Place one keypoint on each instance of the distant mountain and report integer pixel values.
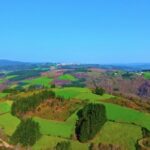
(17, 65)
(4, 62)
(9, 65)
(134, 66)
(14, 65)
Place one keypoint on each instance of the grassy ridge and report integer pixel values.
(80, 93)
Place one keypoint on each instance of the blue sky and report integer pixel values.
(82, 31)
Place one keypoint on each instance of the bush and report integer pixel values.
(27, 133)
(99, 91)
(145, 132)
(90, 120)
(63, 146)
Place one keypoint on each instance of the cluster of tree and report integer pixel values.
(14, 90)
(27, 133)
(90, 120)
(35, 87)
(23, 105)
(64, 145)
(99, 91)
(24, 74)
(127, 75)
(19, 88)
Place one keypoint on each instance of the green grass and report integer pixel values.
(80, 93)
(147, 75)
(93, 97)
(122, 114)
(10, 76)
(2, 95)
(46, 142)
(70, 92)
(13, 86)
(55, 128)
(43, 81)
(49, 143)
(67, 77)
(75, 145)
(5, 107)
(2, 80)
(8, 123)
(123, 135)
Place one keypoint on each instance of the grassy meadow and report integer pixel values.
(42, 81)
(147, 75)
(67, 77)
(8, 123)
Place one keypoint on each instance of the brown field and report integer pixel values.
(55, 109)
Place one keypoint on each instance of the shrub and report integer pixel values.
(63, 146)
(99, 91)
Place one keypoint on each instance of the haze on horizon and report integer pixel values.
(98, 31)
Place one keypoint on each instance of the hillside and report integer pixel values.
(65, 104)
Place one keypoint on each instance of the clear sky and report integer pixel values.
(83, 31)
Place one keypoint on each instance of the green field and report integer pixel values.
(124, 135)
(147, 75)
(67, 77)
(5, 107)
(46, 142)
(8, 123)
(55, 128)
(2, 80)
(2, 95)
(49, 143)
(127, 115)
(10, 76)
(70, 92)
(43, 81)
(80, 93)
